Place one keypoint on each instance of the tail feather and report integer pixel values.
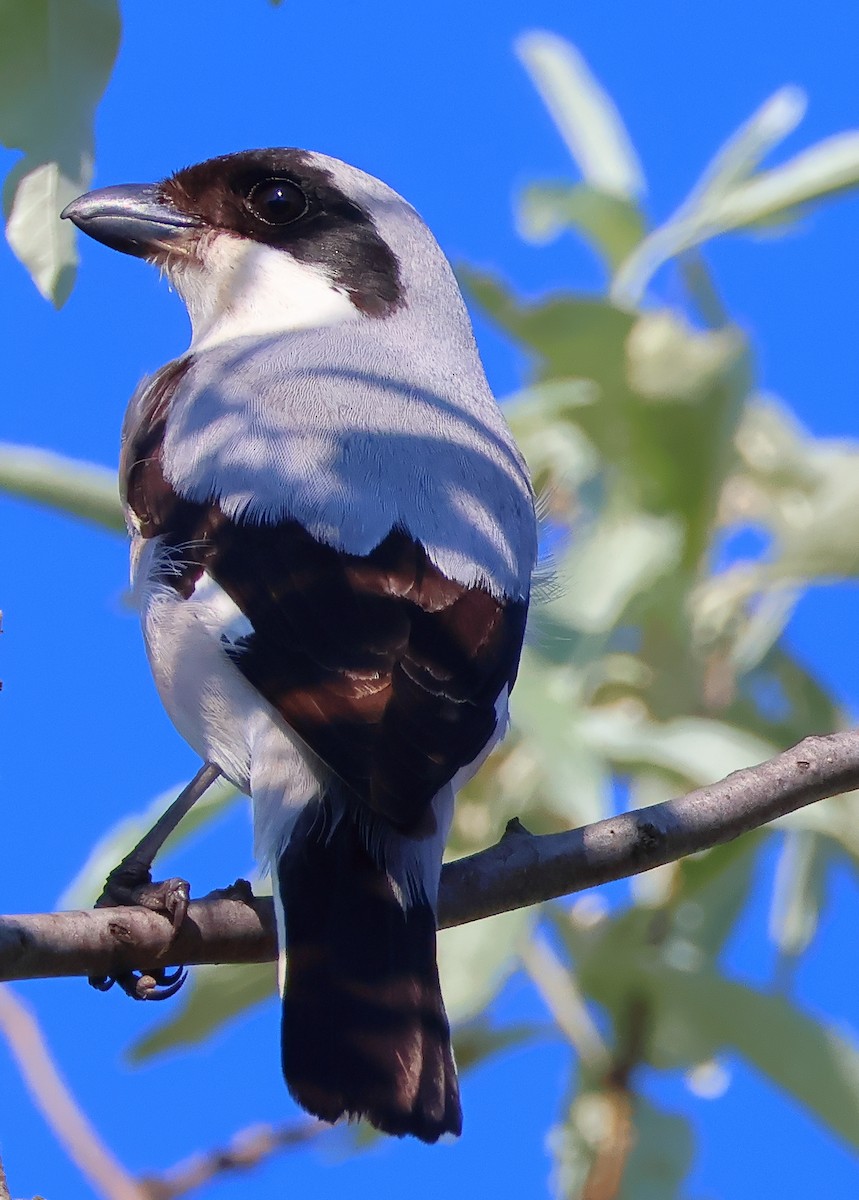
(365, 1033)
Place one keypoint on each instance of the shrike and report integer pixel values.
(333, 537)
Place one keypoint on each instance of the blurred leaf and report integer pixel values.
(713, 892)
(662, 1152)
(559, 455)
(78, 488)
(584, 114)
(735, 161)
(836, 818)
(604, 1125)
(577, 337)
(86, 887)
(729, 198)
(693, 1012)
(697, 749)
(546, 708)
(214, 996)
(798, 894)
(664, 455)
(622, 555)
(33, 198)
(612, 224)
(808, 1059)
(774, 446)
(782, 701)
(575, 1143)
(476, 1041)
(475, 960)
(803, 491)
(55, 61)
(813, 528)
(824, 170)
(670, 361)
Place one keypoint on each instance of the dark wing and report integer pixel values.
(387, 670)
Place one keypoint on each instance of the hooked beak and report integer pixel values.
(133, 218)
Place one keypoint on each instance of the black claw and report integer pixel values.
(169, 985)
(157, 984)
(101, 983)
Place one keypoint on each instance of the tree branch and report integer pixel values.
(246, 1150)
(58, 1106)
(522, 869)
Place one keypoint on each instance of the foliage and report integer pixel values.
(55, 61)
(653, 666)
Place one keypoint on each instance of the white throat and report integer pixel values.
(240, 288)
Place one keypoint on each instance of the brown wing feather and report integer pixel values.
(388, 670)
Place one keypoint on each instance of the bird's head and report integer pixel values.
(272, 240)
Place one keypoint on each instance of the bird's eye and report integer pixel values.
(276, 201)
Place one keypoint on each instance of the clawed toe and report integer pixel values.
(130, 884)
(157, 984)
(170, 898)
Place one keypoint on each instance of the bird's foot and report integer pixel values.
(130, 884)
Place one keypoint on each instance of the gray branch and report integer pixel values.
(522, 869)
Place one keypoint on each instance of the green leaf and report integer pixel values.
(804, 491)
(559, 455)
(613, 225)
(728, 197)
(575, 337)
(214, 996)
(698, 750)
(33, 198)
(808, 1059)
(575, 1143)
(712, 894)
(584, 114)
(668, 361)
(597, 1126)
(477, 1041)
(822, 171)
(692, 1013)
(86, 887)
(836, 819)
(609, 564)
(80, 489)
(55, 61)
(662, 1153)
(546, 708)
(744, 150)
(475, 960)
(798, 894)
(667, 448)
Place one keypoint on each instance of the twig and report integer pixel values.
(246, 1150)
(520, 870)
(608, 1169)
(564, 1001)
(58, 1105)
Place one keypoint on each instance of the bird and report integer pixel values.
(333, 537)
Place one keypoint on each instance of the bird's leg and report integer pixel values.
(130, 883)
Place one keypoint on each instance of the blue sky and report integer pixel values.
(431, 98)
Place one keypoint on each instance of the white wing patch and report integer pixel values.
(219, 611)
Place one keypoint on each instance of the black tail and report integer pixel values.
(364, 1032)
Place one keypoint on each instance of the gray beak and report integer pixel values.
(132, 218)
